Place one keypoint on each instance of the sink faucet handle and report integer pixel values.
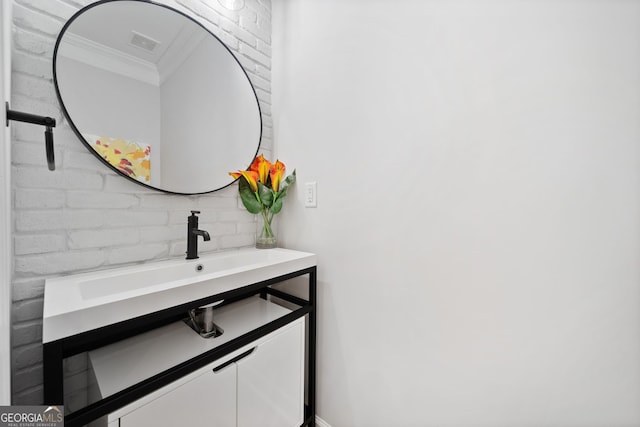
(194, 212)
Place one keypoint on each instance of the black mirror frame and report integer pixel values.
(79, 134)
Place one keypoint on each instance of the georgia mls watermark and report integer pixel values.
(31, 416)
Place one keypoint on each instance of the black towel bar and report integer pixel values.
(48, 122)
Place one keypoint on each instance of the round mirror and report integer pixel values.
(156, 96)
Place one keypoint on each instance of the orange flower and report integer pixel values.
(250, 176)
(252, 179)
(276, 173)
(261, 166)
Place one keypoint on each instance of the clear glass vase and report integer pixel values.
(265, 231)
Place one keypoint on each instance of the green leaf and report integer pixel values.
(288, 181)
(248, 197)
(278, 202)
(266, 194)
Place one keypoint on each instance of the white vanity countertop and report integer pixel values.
(83, 302)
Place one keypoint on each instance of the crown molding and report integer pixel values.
(112, 60)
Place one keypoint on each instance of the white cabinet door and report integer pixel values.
(271, 382)
(207, 400)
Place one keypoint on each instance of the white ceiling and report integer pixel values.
(113, 24)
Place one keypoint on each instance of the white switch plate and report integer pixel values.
(310, 194)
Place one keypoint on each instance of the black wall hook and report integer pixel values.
(48, 122)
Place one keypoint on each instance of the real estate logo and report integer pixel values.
(31, 416)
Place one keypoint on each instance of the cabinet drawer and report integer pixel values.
(207, 400)
(271, 382)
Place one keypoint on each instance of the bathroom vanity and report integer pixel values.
(150, 368)
(146, 366)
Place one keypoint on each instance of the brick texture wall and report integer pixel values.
(85, 217)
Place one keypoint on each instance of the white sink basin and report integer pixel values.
(79, 303)
(132, 281)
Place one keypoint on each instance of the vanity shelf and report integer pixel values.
(271, 394)
(247, 316)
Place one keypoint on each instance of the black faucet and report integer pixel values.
(192, 235)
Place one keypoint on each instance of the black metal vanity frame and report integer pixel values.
(54, 352)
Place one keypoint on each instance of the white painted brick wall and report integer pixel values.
(39, 243)
(83, 216)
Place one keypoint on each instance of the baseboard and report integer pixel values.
(321, 423)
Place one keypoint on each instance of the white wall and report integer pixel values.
(83, 216)
(478, 220)
(233, 98)
(113, 102)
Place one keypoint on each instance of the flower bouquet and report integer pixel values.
(262, 191)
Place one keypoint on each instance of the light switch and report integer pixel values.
(310, 194)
